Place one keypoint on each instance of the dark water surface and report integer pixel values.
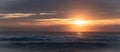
(59, 42)
(58, 47)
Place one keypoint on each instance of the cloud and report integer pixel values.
(63, 28)
(47, 14)
(16, 15)
(58, 21)
(35, 13)
(101, 9)
(36, 28)
(5, 4)
(104, 22)
(106, 28)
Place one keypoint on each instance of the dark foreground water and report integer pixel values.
(59, 42)
(58, 47)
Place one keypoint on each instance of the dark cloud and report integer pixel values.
(100, 8)
(36, 5)
(35, 28)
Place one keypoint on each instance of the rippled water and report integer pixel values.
(58, 47)
(8, 43)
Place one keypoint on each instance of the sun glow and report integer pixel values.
(80, 22)
(78, 25)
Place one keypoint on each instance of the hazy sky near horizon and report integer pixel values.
(56, 15)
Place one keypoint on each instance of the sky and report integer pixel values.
(59, 15)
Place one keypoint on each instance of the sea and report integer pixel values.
(59, 41)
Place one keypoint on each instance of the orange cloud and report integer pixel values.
(69, 21)
(105, 22)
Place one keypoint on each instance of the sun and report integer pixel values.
(79, 22)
